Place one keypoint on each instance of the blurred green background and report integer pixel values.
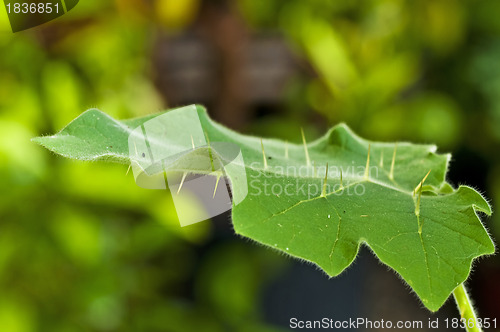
(82, 248)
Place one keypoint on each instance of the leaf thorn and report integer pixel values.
(419, 186)
(323, 191)
(391, 172)
(216, 184)
(206, 136)
(305, 147)
(417, 206)
(136, 152)
(263, 154)
(182, 182)
(367, 168)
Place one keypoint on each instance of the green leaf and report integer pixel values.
(93, 135)
(418, 225)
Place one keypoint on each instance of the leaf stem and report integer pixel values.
(466, 309)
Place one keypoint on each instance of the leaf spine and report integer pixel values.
(419, 186)
(263, 154)
(216, 184)
(323, 191)
(182, 182)
(391, 172)
(305, 147)
(417, 206)
(367, 168)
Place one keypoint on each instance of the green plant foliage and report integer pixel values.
(392, 197)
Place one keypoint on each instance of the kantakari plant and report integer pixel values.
(412, 219)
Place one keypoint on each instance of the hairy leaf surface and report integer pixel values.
(370, 192)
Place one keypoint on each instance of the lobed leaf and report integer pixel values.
(371, 193)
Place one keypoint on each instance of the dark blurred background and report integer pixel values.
(82, 248)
